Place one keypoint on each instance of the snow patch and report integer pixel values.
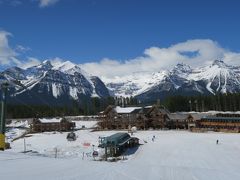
(73, 92)
(56, 89)
(52, 120)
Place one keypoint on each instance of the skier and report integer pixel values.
(83, 156)
(217, 141)
(153, 138)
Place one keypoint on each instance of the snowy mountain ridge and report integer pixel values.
(67, 81)
(182, 79)
(61, 82)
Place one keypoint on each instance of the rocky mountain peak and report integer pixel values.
(181, 68)
(219, 63)
(45, 65)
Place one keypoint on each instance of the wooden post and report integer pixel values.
(56, 151)
(83, 156)
(105, 153)
(24, 144)
(2, 118)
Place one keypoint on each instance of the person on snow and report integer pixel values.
(153, 138)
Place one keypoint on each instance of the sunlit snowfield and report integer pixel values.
(178, 155)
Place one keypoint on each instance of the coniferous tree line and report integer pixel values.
(86, 107)
(126, 101)
(218, 102)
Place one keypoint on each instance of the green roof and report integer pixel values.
(116, 139)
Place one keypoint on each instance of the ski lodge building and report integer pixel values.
(57, 124)
(155, 117)
(158, 117)
(125, 118)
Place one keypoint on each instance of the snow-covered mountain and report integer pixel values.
(134, 84)
(218, 77)
(58, 84)
(182, 79)
(61, 83)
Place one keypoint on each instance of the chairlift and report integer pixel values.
(95, 153)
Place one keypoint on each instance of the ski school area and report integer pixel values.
(162, 154)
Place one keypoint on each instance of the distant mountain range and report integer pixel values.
(65, 82)
(181, 80)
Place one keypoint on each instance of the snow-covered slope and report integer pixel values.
(63, 82)
(174, 155)
(182, 79)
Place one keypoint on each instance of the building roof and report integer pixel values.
(117, 139)
(178, 116)
(149, 109)
(148, 106)
(198, 116)
(135, 110)
(52, 120)
(164, 111)
(125, 110)
(227, 115)
(219, 119)
(184, 116)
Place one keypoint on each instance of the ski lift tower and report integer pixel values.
(4, 87)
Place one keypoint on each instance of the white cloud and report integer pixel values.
(198, 52)
(22, 49)
(10, 56)
(157, 58)
(45, 3)
(7, 54)
(56, 61)
(29, 63)
(42, 3)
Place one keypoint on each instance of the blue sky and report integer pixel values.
(90, 30)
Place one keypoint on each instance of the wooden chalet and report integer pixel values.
(178, 121)
(140, 117)
(118, 118)
(156, 116)
(56, 124)
(183, 120)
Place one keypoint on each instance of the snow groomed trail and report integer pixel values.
(172, 155)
